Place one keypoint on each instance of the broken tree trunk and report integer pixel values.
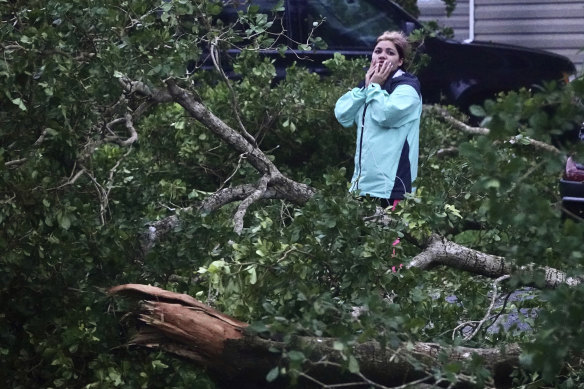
(179, 324)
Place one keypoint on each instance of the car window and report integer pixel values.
(351, 23)
(231, 7)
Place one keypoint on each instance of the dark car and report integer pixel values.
(572, 185)
(458, 73)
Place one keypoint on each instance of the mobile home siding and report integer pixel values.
(556, 26)
(458, 20)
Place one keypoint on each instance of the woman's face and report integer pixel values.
(386, 51)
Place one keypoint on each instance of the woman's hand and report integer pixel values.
(378, 73)
(369, 73)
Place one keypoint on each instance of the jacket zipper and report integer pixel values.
(361, 146)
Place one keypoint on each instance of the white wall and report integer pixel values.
(556, 26)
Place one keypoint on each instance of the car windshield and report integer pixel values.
(351, 23)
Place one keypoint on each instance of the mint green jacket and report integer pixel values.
(388, 131)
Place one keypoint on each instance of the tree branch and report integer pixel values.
(238, 193)
(128, 121)
(131, 87)
(443, 112)
(440, 251)
(133, 133)
(212, 203)
(37, 143)
(244, 205)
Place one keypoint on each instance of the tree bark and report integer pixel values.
(181, 325)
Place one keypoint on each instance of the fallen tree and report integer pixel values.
(182, 325)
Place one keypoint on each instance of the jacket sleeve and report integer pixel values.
(393, 110)
(348, 105)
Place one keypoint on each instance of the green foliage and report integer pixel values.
(560, 337)
(74, 207)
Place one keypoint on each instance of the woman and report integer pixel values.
(386, 108)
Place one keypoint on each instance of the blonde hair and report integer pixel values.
(400, 40)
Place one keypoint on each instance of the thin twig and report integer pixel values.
(103, 193)
(365, 380)
(241, 158)
(235, 102)
(19, 161)
(72, 178)
(498, 315)
(100, 194)
(41, 138)
(15, 162)
(485, 131)
(480, 323)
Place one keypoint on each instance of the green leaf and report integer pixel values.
(477, 110)
(493, 183)
(279, 7)
(214, 8)
(296, 356)
(64, 221)
(216, 266)
(159, 364)
(18, 101)
(253, 276)
(353, 365)
(273, 374)
(453, 367)
(258, 327)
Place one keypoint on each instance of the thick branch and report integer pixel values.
(441, 251)
(238, 193)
